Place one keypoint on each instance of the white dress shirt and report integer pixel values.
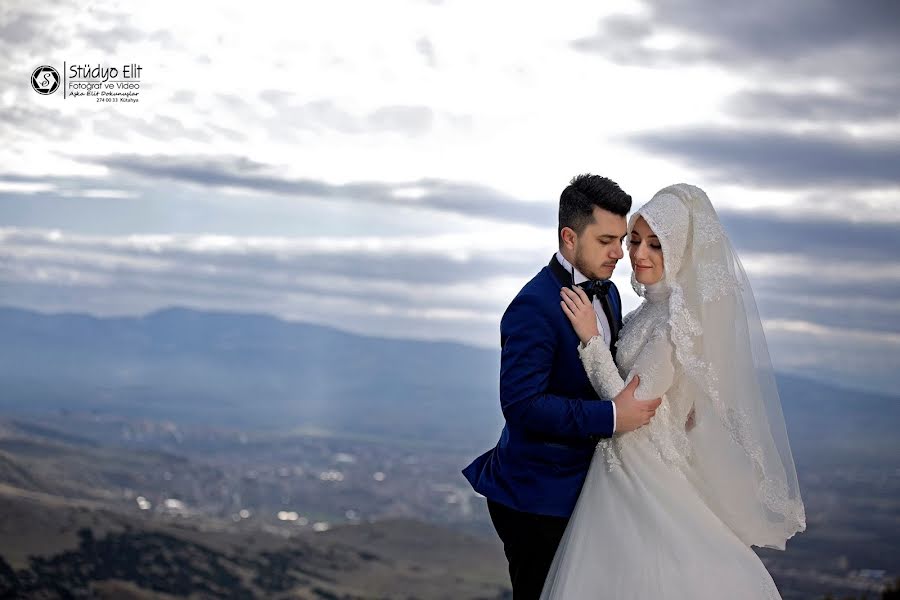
(602, 321)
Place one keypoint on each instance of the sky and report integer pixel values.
(394, 168)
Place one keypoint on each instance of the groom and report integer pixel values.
(554, 418)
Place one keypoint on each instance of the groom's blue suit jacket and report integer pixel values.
(553, 416)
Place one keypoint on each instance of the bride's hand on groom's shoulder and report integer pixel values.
(580, 310)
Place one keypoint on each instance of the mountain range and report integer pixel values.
(257, 371)
(225, 411)
(249, 370)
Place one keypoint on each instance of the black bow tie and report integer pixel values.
(595, 288)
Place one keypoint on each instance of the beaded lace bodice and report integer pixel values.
(644, 349)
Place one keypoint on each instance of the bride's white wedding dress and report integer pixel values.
(640, 529)
(667, 513)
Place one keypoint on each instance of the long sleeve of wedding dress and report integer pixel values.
(652, 360)
(654, 365)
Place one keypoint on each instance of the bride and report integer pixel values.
(670, 510)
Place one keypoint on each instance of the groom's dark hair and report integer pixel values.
(584, 192)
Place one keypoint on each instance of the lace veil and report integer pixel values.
(741, 462)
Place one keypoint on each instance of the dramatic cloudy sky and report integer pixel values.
(393, 168)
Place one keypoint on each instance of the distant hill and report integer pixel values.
(66, 531)
(79, 552)
(839, 422)
(257, 371)
(248, 370)
(39, 460)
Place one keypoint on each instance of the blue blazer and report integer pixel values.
(554, 418)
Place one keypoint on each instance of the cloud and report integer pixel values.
(108, 30)
(183, 97)
(238, 172)
(840, 353)
(814, 72)
(21, 28)
(813, 62)
(161, 128)
(854, 309)
(451, 287)
(326, 114)
(108, 39)
(414, 260)
(855, 237)
(621, 39)
(21, 121)
(768, 33)
(770, 158)
(415, 120)
(876, 103)
(449, 275)
(426, 49)
(56, 26)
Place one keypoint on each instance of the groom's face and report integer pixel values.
(599, 246)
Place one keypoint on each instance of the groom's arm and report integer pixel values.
(529, 345)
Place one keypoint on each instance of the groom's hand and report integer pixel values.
(632, 413)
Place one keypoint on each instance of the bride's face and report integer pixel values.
(645, 253)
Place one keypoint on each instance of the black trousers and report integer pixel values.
(529, 542)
